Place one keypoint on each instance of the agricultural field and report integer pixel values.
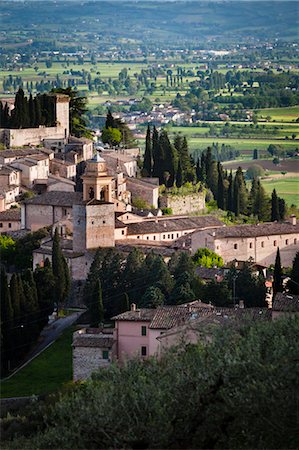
(245, 146)
(290, 114)
(287, 188)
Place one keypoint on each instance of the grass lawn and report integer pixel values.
(285, 188)
(46, 373)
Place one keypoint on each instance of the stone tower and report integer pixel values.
(94, 221)
(96, 183)
(63, 113)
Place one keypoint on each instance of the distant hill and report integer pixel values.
(151, 20)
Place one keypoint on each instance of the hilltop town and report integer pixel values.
(149, 235)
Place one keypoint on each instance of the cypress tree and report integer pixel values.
(148, 155)
(179, 176)
(277, 276)
(198, 171)
(220, 189)
(260, 205)
(252, 196)
(274, 207)
(96, 308)
(255, 154)
(236, 197)
(110, 123)
(185, 160)
(58, 268)
(37, 111)
(157, 160)
(168, 158)
(281, 208)
(240, 193)
(15, 296)
(230, 193)
(6, 320)
(31, 112)
(203, 167)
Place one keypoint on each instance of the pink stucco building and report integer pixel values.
(137, 331)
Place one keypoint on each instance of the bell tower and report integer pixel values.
(96, 182)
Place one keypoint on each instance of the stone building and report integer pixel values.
(183, 204)
(144, 189)
(93, 348)
(49, 208)
(10, 220)
(33, 167)
(258, 242)
(35, 136)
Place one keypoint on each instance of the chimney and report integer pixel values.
(241, 304)
(293, 219)
(133, 306)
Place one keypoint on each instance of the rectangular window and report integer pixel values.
(235, 246)
(143, 331)
(1, 225)
(287, 242)
(9, 225)
(143, 351)
(250, 245)
(163, 236)
(262, 244)
(275, 243)
(105, 354)
(122, 231)
(154, 238)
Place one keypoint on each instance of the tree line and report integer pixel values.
(231, 193)
(28, 112)
(116, 280)
(27, 299)
(170, 162)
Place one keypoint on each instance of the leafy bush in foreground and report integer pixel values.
(240, 391)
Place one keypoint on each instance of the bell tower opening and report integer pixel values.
(96, 182)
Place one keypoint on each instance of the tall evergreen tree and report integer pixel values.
(109, 120)
(168, 158)
(179, 176)
(96, 308)
(32, 120)
(274, 207)
(281, 208)
(220, 189)
(277, 276)
(58, 268)
(148, 155)
(261, 203)
(230, 193)
(240, 193)
(6, 321)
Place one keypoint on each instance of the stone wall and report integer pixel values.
(183, 204)
(29, 136)
(86, 361)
